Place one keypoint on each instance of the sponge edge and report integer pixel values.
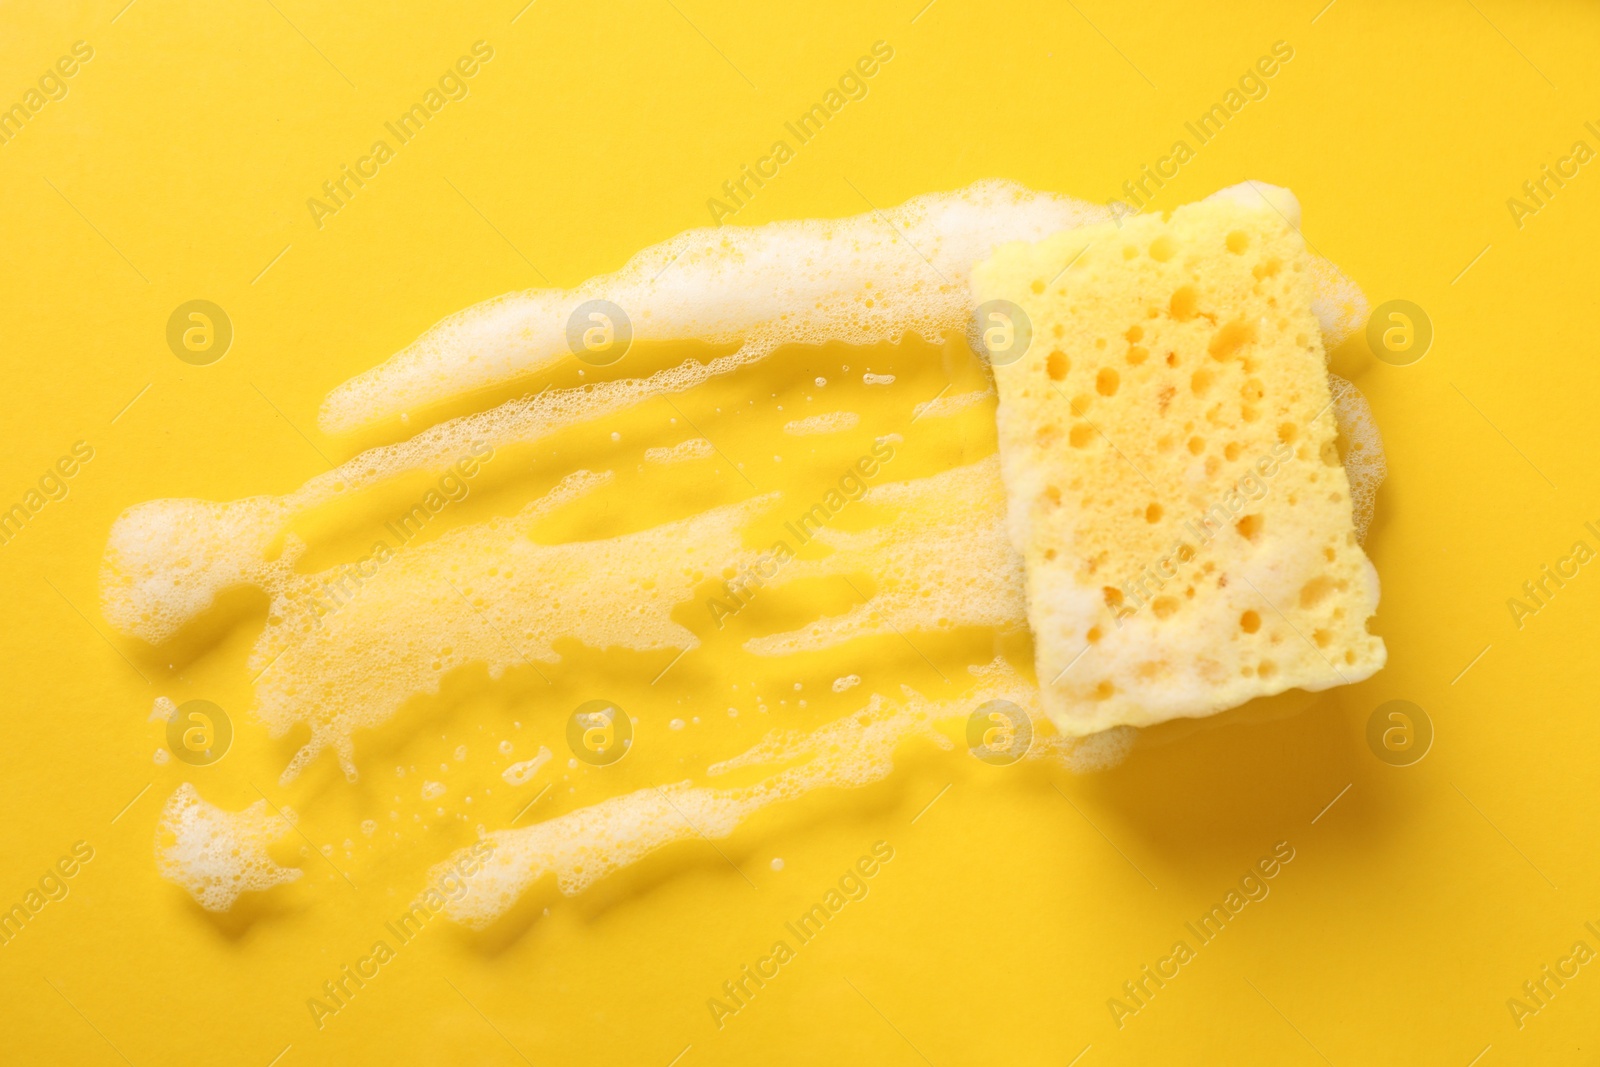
(1168, 445)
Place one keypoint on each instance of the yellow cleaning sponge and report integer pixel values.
(1167, 441)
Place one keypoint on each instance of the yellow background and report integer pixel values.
(178, 167)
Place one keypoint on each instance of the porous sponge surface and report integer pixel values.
(1173, 483)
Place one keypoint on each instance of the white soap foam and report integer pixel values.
(1364, 461)
(217, 854)
(522, 773)
(861, 280)
(166, 560)
(940, 561)
(944, 407)
(831, 422)
(849, 681)
(483, 594)
(693, 448)
(877, 379)
(582, 846)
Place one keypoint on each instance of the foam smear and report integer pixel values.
(942, 560)
(860, 280)
(165, 561)
(585, 845)
(944, 407)
(522, 773)
(683, 452)
(217, 854)
(488, 595)
(829, 422)
(1364, 462)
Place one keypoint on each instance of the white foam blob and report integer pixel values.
(848, 681)
(1364, 462)
(217, 854)
(944, 407)
(830, 422)
(1338, 302)
(693, 448)
(940, 561)
(877, 379)
(522, 773)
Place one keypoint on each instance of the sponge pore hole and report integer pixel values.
(1316, 591)
(1232, 337)
(1185, 301)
